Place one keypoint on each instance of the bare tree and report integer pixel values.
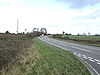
(43, 30)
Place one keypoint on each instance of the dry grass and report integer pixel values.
(17, 54)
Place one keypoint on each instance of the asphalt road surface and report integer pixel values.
(89, 54)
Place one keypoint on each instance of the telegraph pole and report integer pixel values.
(17, 26)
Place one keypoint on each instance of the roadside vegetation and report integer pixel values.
(24, 54)
(88, 40)
(16, 52)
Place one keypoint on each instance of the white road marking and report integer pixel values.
(97, 60)
(98, 63)
(77, 48)
(85, 57)
(81, 49)
(75, 53)
(79, 55)
(91, 67)
(91, 59)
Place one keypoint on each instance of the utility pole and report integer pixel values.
(17, 26)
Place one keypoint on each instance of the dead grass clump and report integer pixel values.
(16, 54)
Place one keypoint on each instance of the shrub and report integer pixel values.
(61, 36)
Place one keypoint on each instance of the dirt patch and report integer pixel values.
(86, 41)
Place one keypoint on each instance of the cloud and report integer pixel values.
(50, 14)
(80, 3)
(94, 15)
(9, 1)
(88, 15)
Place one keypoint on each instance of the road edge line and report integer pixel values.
(89, 66)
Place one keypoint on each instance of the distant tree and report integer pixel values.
(63, 32)
(23, 32)
(66, 33)
(70, 34)
(44, 30)
(97, 35)
(78, 34)
(7, 32)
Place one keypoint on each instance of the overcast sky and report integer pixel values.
(71, 16)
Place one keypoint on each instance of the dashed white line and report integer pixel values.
(97, 60)
(79, 55)
(75, 53)
(81, 49)
(98, 63)
(91, 59)
(85, 57)
(77, 48)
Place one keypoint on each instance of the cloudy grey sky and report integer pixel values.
(80, 3)
(71, 16)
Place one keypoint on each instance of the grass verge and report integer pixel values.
(55, 61)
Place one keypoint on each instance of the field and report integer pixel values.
(95, 38)
(22, 55)
(88, 40)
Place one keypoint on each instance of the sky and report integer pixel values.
(70, 16)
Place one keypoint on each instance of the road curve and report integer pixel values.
(90, 54)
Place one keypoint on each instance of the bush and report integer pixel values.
(34, 34)
(66, 37)
(11, 47)
(57, 35)
(7, 32)
(61, 36)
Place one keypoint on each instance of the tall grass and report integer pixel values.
(13, 48)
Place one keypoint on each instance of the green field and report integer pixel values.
(87, 40)
(96, 38)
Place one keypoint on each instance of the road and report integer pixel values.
(90, 54)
